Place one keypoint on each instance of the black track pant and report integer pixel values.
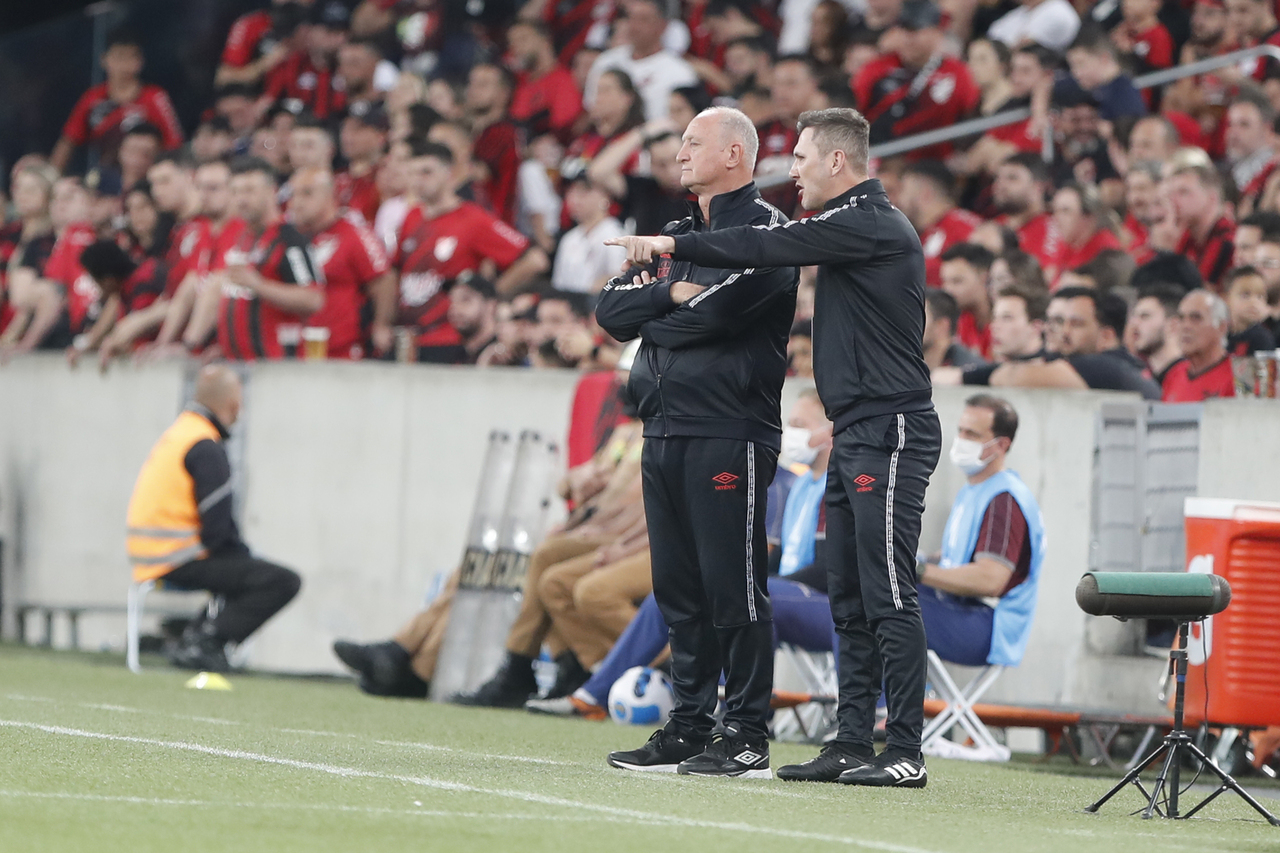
(879, 470)
(705, 503)
(254, 590)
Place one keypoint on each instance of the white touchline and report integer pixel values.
(458, 787)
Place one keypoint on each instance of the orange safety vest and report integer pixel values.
(164, 520)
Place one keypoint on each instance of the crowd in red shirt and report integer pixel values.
(445, 166)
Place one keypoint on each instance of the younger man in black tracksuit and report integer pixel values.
(873, 381)
(707, 382)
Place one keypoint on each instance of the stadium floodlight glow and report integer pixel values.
(1184, 597)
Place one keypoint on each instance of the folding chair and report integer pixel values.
(816, 716)
(959, 712)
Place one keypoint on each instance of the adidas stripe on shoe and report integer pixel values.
(888, 771)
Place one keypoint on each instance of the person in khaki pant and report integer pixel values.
(606, 494)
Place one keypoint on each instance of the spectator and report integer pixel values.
(800, 350)
(794, 90)
(213, 140)
(927, 197)
(1017, 325)
(1084, 329)
(1096, 69)
(539, 205)
(1205, 368)
(1141, 39)
(514, 319)
(310, 144)
(181, 527)
(362, 140)
(829, 34)
(455, 136)
(583, 262)
(445, 97)
(107, 111)
(472, 311)
(352, 264)
(617, 108)
(1142, 203)
(271, 281)
(1249, 140)
(34, 303)
(307, 78)
(1052, 23)
(1168, 268)
(363, 73)
(261, 40)
(495, 144)
(545, 98)
(990, 63)
(648, 202)
(941, 349)
(748, 64)
(724, 22)
(1019, 197)
(139, 149)
(173, 186)
(146, 231)
(78, 295)
(1082, 223)
(1254, 23)
(1246, 296)
(1249, 234)
(1153, 139)
(917, 87)
(561, 337)
(1016, 268)
(443, 236)
(877, 18)
(965, 270)
(1082, 154)
(124, 288)
(1195, 191)
(1152, 331)
(1030, 82)
(642, 57)
(684, 104)
(238, 103)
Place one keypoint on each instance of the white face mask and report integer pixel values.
(966, 454)
(795, 445)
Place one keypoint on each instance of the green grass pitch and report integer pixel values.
(93, 758)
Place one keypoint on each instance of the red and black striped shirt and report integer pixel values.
(1213, 256)
(247, 326)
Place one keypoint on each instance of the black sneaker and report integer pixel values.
(730, 754)
(888, 771)
(662, 753)
(826, 766)
(200, 649)
(384, 668)
(512, 686)
(570, 675)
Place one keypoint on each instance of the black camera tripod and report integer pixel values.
(1175, 745)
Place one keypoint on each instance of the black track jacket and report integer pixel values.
(868, 324)
(712, 367)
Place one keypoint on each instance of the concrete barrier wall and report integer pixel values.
(362, 477)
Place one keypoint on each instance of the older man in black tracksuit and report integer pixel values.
(707, 382)
(871, 375)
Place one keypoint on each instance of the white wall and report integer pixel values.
(362, 476)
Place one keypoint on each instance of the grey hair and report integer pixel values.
(840, 129)
(735, 126)
(1217, 307)
(1153, 169)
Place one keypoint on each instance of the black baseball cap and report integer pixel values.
(919, 15)
(333, 14)
(370, 114)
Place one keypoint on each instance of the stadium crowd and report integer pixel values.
(435, 181)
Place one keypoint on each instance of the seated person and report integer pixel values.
(1204, 371)
(979, 596)
(801, 612)
(1245, 291)
(405, 665)
(181, 528)
(941, 348)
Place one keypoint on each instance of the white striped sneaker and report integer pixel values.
(888, 771)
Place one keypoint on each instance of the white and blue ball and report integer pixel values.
(641, 697)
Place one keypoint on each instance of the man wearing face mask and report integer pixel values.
(979, 595)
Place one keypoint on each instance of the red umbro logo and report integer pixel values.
(725, 481)
(863, 482)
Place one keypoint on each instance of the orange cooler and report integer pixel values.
(1237, 652)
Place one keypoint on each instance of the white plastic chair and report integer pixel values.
(959, 712)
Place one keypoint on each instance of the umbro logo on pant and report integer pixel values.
(725, 481)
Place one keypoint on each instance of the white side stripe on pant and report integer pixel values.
(751, 525)
(888, 512)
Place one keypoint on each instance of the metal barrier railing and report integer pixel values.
(974, 127)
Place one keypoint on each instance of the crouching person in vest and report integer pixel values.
(180, 527)
(978, 597)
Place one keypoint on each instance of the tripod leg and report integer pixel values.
(1171, 756)
(1130, 777)
(1227, 782)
